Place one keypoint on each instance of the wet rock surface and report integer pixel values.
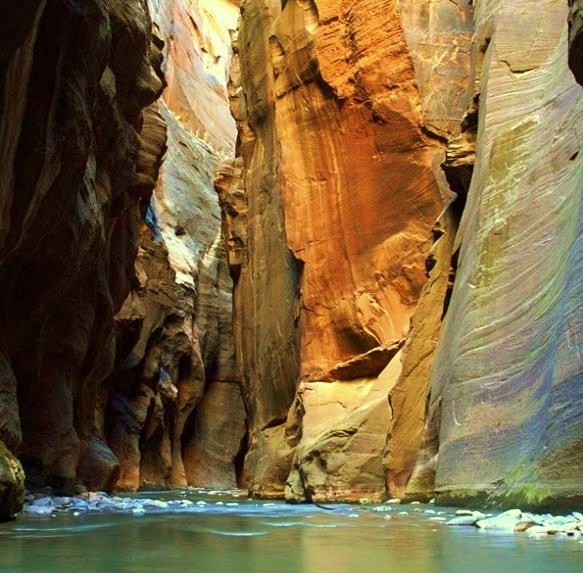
(536, 526)
(11, 484)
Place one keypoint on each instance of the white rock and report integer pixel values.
(506, 521)
(463, 520)
(155, 503)
(537, 532)
(38, 509)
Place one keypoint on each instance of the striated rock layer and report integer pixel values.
(175, 415)
(366, 128)
(336, 223)
(81, 142)
(268, 309)
(509, 369)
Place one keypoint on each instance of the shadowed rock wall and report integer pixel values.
(81, 142)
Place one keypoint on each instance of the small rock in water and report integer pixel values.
(476, 514)
(38, 509)
(155, 503)
(463, 520)
(522, 526)
(394, 500)
(506, 521)
(537, 532)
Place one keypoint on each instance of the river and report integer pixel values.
(221, 534)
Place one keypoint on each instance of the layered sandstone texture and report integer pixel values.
(337, 222)
(508, 379)
(175, 414)
(80, 142)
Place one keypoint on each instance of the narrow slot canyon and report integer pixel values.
(286, 257)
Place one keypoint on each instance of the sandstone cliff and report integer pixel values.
(174, 415)
(81, 142)
(360, 128)
(356, 274)
(344, 208)
(509, 366)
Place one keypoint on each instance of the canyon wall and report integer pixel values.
(81, 141)
(116, 342)
(174, 415)
(367, 129)
(337, 257)
(345, 198)
(509, 368)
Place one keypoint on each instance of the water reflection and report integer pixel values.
(266, 538)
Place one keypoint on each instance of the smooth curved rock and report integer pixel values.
(174, 333)
(11, 484)
(510, 362)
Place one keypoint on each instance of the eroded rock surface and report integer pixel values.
(11, 483)
(81, 143)
(509, 366)
(339, 223)
(175, 390)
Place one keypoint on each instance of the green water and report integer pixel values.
(261, 537)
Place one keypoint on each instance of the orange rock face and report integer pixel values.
(358, 185)
(360, 189)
